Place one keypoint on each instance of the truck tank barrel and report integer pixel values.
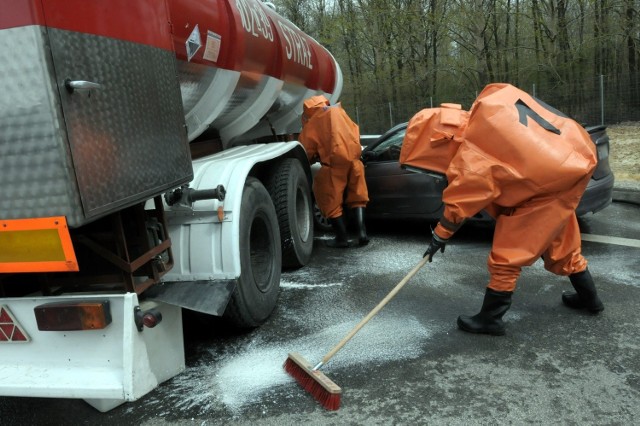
(245, 70)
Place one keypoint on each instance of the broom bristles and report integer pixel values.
(326, 392)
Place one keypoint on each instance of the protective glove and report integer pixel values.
(436, 244)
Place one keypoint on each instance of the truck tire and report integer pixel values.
(257, 291)
(291, 195)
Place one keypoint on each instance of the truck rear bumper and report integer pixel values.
(105, 367)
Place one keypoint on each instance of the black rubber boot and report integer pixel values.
(363, 239)
(489, 319)
(340, 228)
(586, 296)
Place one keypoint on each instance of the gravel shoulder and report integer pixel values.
(625, 154)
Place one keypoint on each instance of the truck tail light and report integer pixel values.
(149, 318)
(67, 316)
(36, 245)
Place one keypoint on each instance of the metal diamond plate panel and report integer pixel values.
(35, 164)
(128, 140)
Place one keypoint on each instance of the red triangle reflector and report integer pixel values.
(10, 330)
(4, 316)
(7, 330)
(18, 336)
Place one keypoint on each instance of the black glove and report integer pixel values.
(436, 244)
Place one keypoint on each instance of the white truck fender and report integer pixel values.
(205, 237)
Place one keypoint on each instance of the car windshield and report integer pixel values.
(394, 140)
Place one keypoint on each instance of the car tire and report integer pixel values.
(291, 195)
(257, 290)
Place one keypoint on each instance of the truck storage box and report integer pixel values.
(85, 153)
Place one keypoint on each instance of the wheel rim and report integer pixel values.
(303, 223)
(321, 220)
(261, 252)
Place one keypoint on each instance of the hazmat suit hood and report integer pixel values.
(314, 104)
(433, 138)
(328, 133)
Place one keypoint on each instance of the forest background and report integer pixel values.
(399, 56)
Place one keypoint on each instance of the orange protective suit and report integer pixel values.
(329, 136)
(521, 161)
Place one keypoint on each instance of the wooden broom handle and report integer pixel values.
(375, 310)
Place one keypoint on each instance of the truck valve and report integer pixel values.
(185, 195)
(217, 193)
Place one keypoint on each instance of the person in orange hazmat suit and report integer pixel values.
(330, 137)
(527, 165)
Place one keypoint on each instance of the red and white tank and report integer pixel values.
(244, 70)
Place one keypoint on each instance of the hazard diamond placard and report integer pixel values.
(10, 330)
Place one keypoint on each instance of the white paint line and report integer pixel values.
(611, 240)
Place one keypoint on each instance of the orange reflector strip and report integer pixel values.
(10, 330)
(67, 316)
(36, 245)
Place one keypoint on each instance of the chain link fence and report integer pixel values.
(598, 100)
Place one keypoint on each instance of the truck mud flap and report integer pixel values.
(208, 297)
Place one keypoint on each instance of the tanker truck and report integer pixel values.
(149, 165)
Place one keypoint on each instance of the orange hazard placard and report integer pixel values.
(10, 330)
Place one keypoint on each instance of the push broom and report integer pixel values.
(325, 391)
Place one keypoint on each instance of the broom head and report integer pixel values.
(313, 381)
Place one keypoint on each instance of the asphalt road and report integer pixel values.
(410, 364)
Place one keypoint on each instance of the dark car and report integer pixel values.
(397, 193)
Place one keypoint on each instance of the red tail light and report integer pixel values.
(149, 318)
(67, 316)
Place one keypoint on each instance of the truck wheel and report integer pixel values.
(260, 255)
(289, 189)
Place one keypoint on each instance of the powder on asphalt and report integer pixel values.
(293, 285)
(242, 378)
(250, 371)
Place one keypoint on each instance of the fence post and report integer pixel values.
(431, 101)
(602, 99)
(357, 117)
(534, 90)
(390, 115)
